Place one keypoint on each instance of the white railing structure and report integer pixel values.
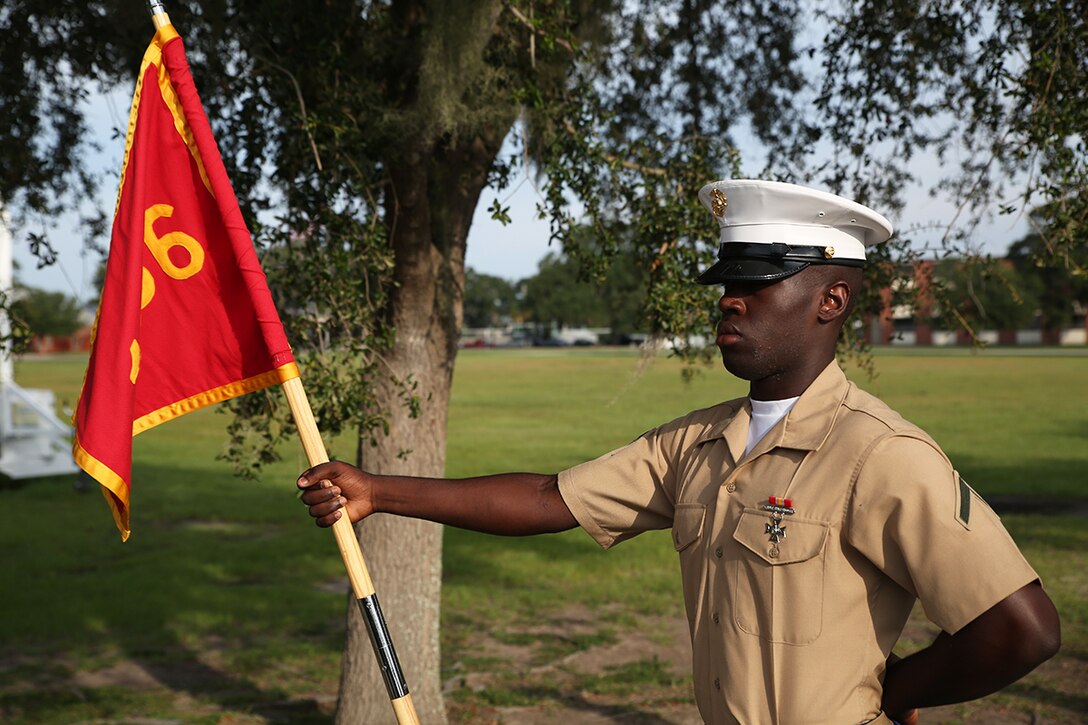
(33, 441)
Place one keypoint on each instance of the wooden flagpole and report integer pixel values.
(361, 583)
(346, 541)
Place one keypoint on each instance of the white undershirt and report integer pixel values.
(765, 413)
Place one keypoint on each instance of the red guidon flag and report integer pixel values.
(185, 318)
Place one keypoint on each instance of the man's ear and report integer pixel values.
(835, 302)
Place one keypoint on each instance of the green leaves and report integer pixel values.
(44, 313)
(995, 89)
(334, 122)
(499, 212)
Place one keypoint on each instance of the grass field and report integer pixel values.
(226, 605)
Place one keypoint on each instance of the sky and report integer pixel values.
(512, 251)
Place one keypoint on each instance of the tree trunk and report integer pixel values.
(435, 195)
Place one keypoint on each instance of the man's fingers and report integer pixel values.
(326, 507)
(319, 474)
(325, 498)
(309, 479)
(320, 494)
(327, 521)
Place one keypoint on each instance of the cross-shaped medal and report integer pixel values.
(777, 507)
(776, 530)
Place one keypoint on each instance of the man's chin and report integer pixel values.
(736, 367)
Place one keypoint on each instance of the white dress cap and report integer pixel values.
(769, 212)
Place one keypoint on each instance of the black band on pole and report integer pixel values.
(383, 647)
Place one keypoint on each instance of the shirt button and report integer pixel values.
(714, 617)
(718, 552)
(773, 553)
(717, 684)
(731, 487)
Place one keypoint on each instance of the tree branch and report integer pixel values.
(302, 110)
(612, 158)
(529, 24)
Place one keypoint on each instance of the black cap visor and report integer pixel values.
(750, 270)
(740, 262)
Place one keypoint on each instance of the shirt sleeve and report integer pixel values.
(918, 521)
(625, 492)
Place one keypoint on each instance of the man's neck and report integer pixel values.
(789, 384)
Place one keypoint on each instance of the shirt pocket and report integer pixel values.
(687, 536)
(779, 592)
(687, 524)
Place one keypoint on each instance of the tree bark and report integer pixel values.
(434, 196)
(436, 177)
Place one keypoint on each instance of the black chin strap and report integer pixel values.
(780, 251)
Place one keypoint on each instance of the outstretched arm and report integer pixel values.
(1000, 646)
(509, 504)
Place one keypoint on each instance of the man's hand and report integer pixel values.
(330, 489)
(910, 717)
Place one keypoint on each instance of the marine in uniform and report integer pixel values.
(808, 516)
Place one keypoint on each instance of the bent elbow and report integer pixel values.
(1039, 634)
(1034, 653)
(1048, 641)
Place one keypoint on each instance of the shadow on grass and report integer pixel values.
(536, 697)
(1077, 703)
(181, 670)
(213, 599)
(618, 713)
(1046, 484)
(14, 484)
(1048, 533)
(473, 555)
(1078, 655)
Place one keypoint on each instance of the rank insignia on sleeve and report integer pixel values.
(778, 507)
(963, 509)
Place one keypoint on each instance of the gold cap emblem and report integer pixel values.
(829, 252)
(718, 202)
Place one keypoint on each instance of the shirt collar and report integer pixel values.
(805, 427)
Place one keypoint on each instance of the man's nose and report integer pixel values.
(731, 303)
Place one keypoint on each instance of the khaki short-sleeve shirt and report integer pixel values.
(797, 629)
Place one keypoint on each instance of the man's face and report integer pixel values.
(766, 328)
